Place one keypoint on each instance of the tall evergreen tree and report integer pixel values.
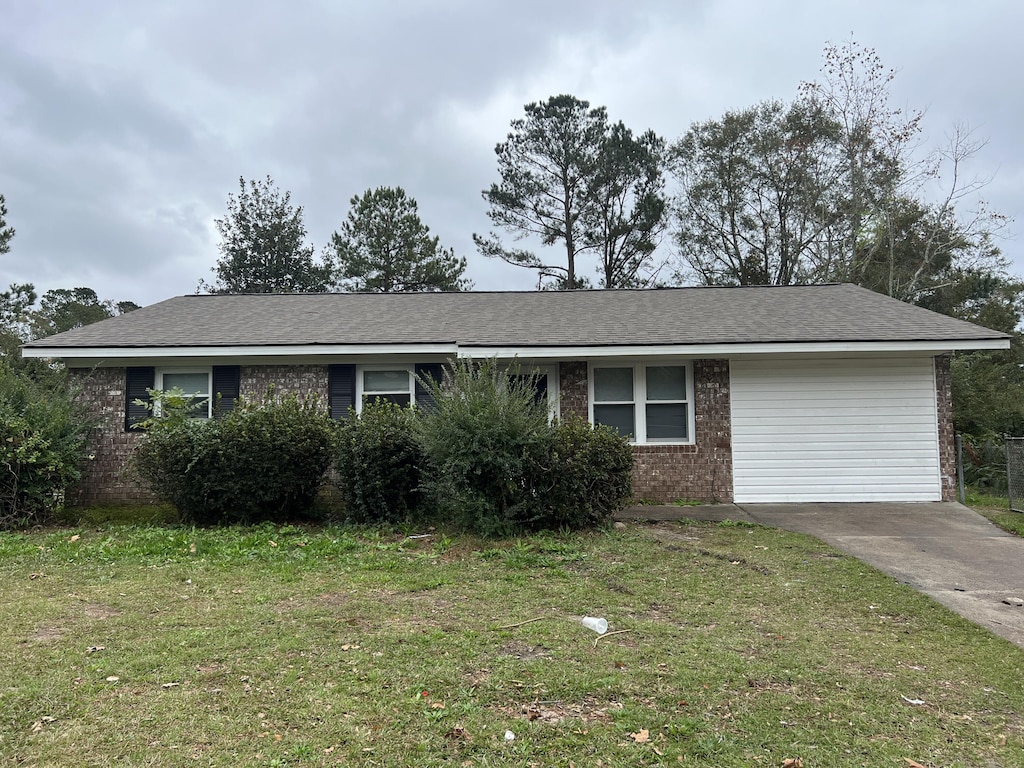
(568, 177)
(383, 246)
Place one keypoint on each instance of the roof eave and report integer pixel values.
(934, 346)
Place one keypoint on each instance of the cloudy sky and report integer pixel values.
(125, 125)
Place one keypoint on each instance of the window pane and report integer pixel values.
(538, 382)
(613, 384)
(189, 383)
(618, 417)
(385, 381)
(200, 408)
(402, 400)
(666, 382)
(666, 421)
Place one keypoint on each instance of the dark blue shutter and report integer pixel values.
(226, 382)
(424, 397)
(137, 381)
(341, 390)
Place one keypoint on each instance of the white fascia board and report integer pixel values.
(729, 350)
(533, 353)
(284, 351)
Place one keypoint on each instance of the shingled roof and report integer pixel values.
(676, 316)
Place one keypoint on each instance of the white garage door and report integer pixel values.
(834, 430)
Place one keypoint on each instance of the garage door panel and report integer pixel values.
(834, 430)
(789, 431)
(835, 416)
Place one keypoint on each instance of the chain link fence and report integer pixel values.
(1015, 472)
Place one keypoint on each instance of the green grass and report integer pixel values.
(996, 509)
(276, 646)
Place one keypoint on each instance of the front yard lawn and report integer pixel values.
(281, 646)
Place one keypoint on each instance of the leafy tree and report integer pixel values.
(63, 309)
(827, 189)
(757, 194)
(263, 245)
(15, 305)
(6, 232)
(43, 431)
(569, 177)
(384, 247)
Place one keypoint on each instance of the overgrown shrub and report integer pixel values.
(499, 467)
(590, 475)
(488, 440)
(984, 460)
(258, 462)
(42, 444)
(380, 464)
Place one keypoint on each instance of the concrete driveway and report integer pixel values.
(944, 550)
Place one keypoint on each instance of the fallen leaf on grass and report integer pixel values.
(95, 648)
(37, 726)
(273, 544)
(170, 685)
(76, 537)
(793, 762)
(915, 702)
(437, 705)
(913, 763)
(113, 679)
(641, 737)
(457, 733)
(349, 647)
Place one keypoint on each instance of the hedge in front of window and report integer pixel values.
(498, 467)
(258, 462)
(380, 464)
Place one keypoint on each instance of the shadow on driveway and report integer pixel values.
(944, 550)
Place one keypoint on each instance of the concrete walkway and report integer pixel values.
(944, 550)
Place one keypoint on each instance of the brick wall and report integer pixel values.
(944, 409)
(305, 381)
(700, 472)
(573, 390)
(105, 477)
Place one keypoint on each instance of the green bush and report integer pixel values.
(590, 475)
(487, 439)
(500, 467)
(257, 462)
(42, 444)
(380, 464)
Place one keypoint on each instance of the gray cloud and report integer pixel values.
(123, 126)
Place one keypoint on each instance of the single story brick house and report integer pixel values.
(752, 394)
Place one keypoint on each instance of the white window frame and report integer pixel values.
(640, 400)
(362, 369)
(158, 384)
